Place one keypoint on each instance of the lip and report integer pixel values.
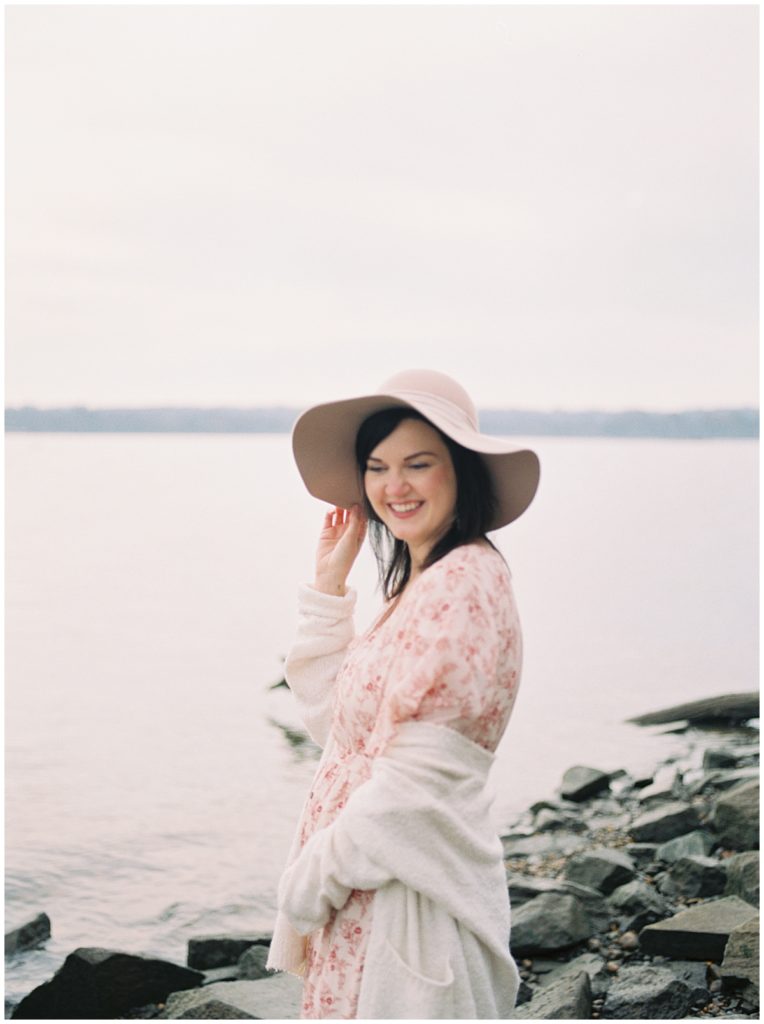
(405, 515)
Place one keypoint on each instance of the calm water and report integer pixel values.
(151, 793)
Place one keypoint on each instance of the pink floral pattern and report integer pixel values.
(450, 653)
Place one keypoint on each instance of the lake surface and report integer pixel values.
(151, 790)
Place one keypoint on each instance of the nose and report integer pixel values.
(396, 484)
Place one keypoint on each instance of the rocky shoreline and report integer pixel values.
(631, 898)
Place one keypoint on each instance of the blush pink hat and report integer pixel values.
(323, 441)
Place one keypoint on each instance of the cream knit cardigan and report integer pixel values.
(418, 832)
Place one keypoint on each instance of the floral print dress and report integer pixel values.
(450, 653)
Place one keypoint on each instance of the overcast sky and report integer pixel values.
(283, 205)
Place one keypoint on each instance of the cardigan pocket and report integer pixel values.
(408, 993)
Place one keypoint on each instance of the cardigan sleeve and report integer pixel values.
(325, 630)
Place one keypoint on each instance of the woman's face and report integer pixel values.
(411, 485)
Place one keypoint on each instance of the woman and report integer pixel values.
(394, 902)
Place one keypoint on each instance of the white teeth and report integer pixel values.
(408, 507)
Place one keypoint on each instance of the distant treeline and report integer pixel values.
(695, 423)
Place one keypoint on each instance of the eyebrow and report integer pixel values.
(416, 455)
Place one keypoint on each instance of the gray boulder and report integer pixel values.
(694, 975)
(688, 845)
(592, 963)
(593, 902)
(642, 853)
(699, 933)
(638, 904)
(740, 967)
(743, 876)
(209, 951)
(101, 983)
(251, 965)
(580, 782)
(567, 998)
(699, 876)
(29, 936)
(278, 997)
(549, 922)
(602, 869)
(664, 822)
(736, 817)
(646, 992)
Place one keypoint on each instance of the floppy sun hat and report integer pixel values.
(323, 441)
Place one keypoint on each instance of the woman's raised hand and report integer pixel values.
(340, 541)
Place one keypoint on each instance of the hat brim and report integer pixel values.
(323, 442)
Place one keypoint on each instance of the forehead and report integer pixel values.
(408, 437)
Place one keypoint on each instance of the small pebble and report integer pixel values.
(612, 967)
(629, 940)
(527, 964)
(715, 985)
(594, 945)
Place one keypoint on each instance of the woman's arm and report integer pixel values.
(324, 631)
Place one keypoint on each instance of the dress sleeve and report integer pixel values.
(458, 652)
(325, 630)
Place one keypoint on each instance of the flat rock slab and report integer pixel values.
(278, 997)
(568, 998)
(646, 992)
(730, 707)
(699, 876)
(664, 822)
(700, 933)
(29, 936)
(209, 951)
(98, 984)
(557, 842)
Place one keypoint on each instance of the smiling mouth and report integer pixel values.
(404, 509)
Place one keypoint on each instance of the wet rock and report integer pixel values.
(638, 904)
(736, 817)
(208, 951)
(602, 869)
(275, 998)
(740, 967)
(699, 933)
(568, 998)
(646, 992)
(251, 965)
(699, 876)
(102, 983)
(29, 936)
(549, 922)
(664, 822)
(580, 782)
(698, 842)
(743, 876)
